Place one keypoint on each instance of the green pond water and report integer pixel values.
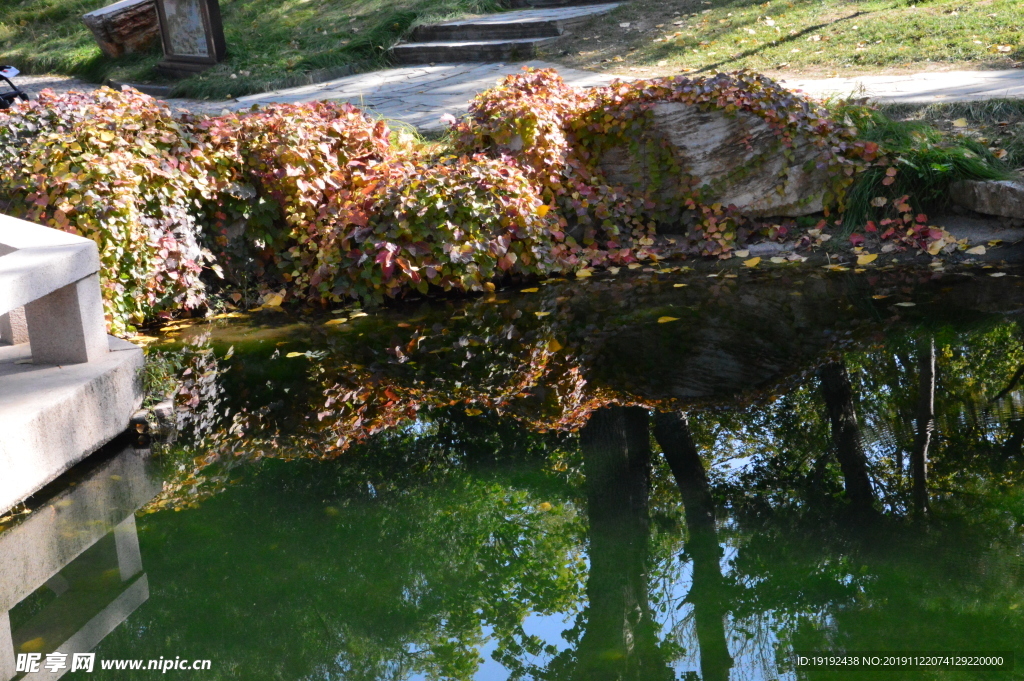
(503, 487)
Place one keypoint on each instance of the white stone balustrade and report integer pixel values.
(54, 276)
(66, 387)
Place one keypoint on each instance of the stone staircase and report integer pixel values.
(509, 36)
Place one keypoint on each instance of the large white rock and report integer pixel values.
(1005, 198)
(736, 155)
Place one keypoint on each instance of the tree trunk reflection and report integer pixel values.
(672, 431)
(925, 425)
(846, 437)
(620, 641)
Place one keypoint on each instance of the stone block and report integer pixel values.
(124, 27)
(67, 326)
(736, 153)
(1004, 198)
(52, 416)
(14, 327)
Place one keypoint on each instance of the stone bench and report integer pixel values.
(66, 387)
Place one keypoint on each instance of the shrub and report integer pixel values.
(118, 168)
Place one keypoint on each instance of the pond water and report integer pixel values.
(651, 477)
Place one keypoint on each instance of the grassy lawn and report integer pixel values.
(271, 43)
(813, 37)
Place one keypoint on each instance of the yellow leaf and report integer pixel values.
(633, 265)
(583, 274)
(678, 285)
(753, 262)
(960, 123)
(542, 314)
(357, 315)
(778, 261)
(867, 258)
(473, 412)
(33, 645)
(977, 250)
(273, 300)
(935, 246)
(107, 136)
(741, 254)
(295, 354)
(544, 507)
(543, 210)
(614, 270)
(339, 320)
(664, 320)
(529, 290)
(554, 345)
(879, 297)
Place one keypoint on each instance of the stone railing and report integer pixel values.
(70, 388)
(50, 293)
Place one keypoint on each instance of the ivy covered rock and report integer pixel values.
(736, 159)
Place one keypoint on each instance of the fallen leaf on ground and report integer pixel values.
(977, 250)
(339, 320)
(529, 290)
(664, 320)
(867, 258)
(753, 262)
(960, 123)
(678, 285)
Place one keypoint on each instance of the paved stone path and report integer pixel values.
(927, 87)
(420, 95)
(417, 95)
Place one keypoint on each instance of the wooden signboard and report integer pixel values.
(192, 36)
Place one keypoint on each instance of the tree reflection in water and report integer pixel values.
(835, 473)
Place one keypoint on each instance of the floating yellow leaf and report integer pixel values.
(678, 285)
(295, 354)
(977, 250)
(544, 506)
(778, 261)
(529, 290)
(583, 274)
(633, 265)
(357, 315)
(867, 258)
(339, 320)
(935, 246)
(753, 262)
(997, 274)
(960, 123)
(273, 300)
(879, 297)
(33, 645)
(905, 304)
(741, 254)
(542, 314)
(614, 270)
(664, 320)
(554, 345)
(473, 412)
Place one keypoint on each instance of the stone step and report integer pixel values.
(467, 51)
(521, 25)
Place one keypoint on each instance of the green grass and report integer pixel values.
(927, 157)
(819, 37)
(271, 43)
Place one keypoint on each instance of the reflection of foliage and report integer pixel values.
(391, 561)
